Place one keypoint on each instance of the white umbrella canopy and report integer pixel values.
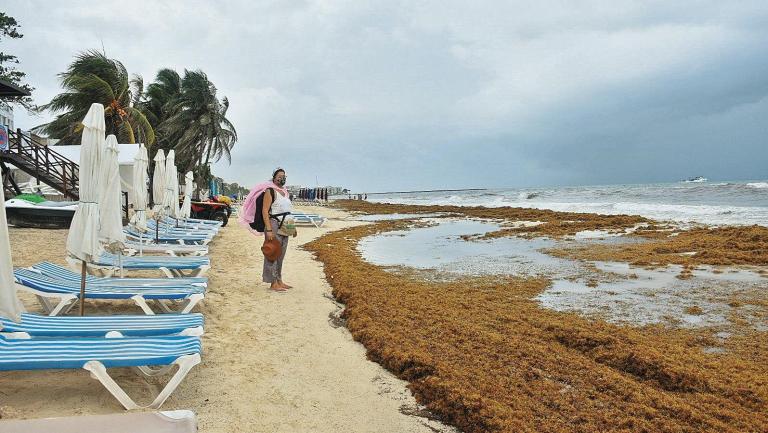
(186, 207)
(171, 200)
(83, 238)
(158, 181)
(110, 207)
(140, 179)
(10, 307)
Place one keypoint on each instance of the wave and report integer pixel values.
(758, 185)
(527, 195)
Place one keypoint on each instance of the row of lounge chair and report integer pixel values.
(153, 344)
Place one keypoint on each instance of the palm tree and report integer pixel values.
(93, 77)
(193, 122)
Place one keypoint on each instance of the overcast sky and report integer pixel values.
(440, 94)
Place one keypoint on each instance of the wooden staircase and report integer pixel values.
(40, 161)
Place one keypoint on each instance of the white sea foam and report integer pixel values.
(758, 185)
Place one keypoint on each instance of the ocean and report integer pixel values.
(714, 203)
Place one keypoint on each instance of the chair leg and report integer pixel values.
(142, 303)
(65, 304)
(99, 372)
(163, 307)
(191, 301)
(167, 272)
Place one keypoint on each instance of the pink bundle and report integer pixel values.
(248, 210)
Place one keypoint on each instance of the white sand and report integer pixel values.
(271, 362)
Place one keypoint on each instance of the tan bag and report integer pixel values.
(288, 228)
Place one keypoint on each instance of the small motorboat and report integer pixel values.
(46, 214)
(697, 179)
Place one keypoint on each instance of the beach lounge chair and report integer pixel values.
(197, 224)
(97, 354)
(173, 421)
(135, 247)
(62, 273)
(172, 267)
(67, 293)
(303, 219)
(35, 325)
(162, 237)
(179, 231)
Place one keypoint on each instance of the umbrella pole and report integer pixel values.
(82, 288)
(120, 262)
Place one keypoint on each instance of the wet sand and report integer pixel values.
(271, 361)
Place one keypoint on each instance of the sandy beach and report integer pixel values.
(271, 361)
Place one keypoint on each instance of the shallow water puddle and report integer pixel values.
(396, 216)
(644, 296)
(440, 247)
(613, 291)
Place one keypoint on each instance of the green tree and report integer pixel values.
(93, 77)
(9, 28)
(189, 118)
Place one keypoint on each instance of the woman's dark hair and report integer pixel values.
(278, 170)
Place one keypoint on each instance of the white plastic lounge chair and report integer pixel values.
(35, 325)
(98, 354)
(173, 421)
(62, 273)
(65, 294)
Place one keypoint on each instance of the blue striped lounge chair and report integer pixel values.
(187, 224)
(134, 233)
(302, 219)
(62, 273)
(97, 354)
(172, 230)
(172, 267)
(59, 296)
(133, 247)
(35, 325)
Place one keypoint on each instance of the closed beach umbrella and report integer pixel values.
(10, 307)
(158, 181)
(186, 207)
(83, 238)
(110, 207)
(171, 201)
(140, 179)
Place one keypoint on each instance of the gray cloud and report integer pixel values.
(389, 95)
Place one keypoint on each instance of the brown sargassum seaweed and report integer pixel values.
(481, 355)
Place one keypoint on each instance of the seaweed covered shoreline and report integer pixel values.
(482, 355)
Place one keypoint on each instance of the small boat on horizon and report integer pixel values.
(697, 179)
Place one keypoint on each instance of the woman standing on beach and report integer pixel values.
(276, 211)
(278, 223)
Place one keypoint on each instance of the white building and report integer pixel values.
(6, 116)
(72, 152)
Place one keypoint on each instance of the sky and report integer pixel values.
(398, 95)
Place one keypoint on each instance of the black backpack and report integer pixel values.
(258, 223)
